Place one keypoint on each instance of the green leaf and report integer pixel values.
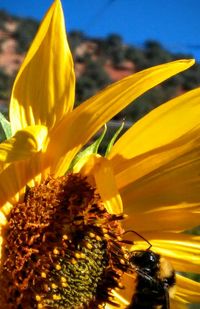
(93, 148)
(5, 128)
(112, 141)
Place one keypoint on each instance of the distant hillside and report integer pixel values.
(98, 62)
(15, 37)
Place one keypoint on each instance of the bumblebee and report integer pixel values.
(155, 280)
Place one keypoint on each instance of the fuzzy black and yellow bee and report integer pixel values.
(155, 280)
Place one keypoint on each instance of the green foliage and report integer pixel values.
(156, 53)
(4, 17)
(93, 79)
(5, 128)
(25, 33)
(113, 49)
(136, 56)
(114, 138)
(85, 88)
(5, 85)
(91, 149)
(75, 38)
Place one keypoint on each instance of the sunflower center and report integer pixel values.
(62, 249)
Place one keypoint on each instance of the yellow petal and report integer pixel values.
(85, 165)
(129, 281)
(159, 168)
(123, 297)
(169, 219)
(170, 192)
(3, 220)
(17, 175)
(120, 300)
(183, 250)
(89, 117)
(163, 125)
(101, 170)
(174, 304)
(188, 290)
(10, 184)
(108, 306)
(23, 144)
(44, 87)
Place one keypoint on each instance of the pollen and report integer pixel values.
(58, 267)
(56, 297)
(88, 245)
(54, 286)
(77, 255)
(37, 297)
(73, 261)
(63, 279)
(43, 275)
(83, 256)
(56, 251)
(92, 235)
(64, 285)
(61, 239)
(106, 236)
(122, 261)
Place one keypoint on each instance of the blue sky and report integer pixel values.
(176, 24)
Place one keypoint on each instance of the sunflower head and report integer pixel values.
(62, 248)
(61, 238)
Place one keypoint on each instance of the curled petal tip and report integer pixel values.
(190, 61)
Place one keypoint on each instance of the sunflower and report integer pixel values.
(65, 240)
